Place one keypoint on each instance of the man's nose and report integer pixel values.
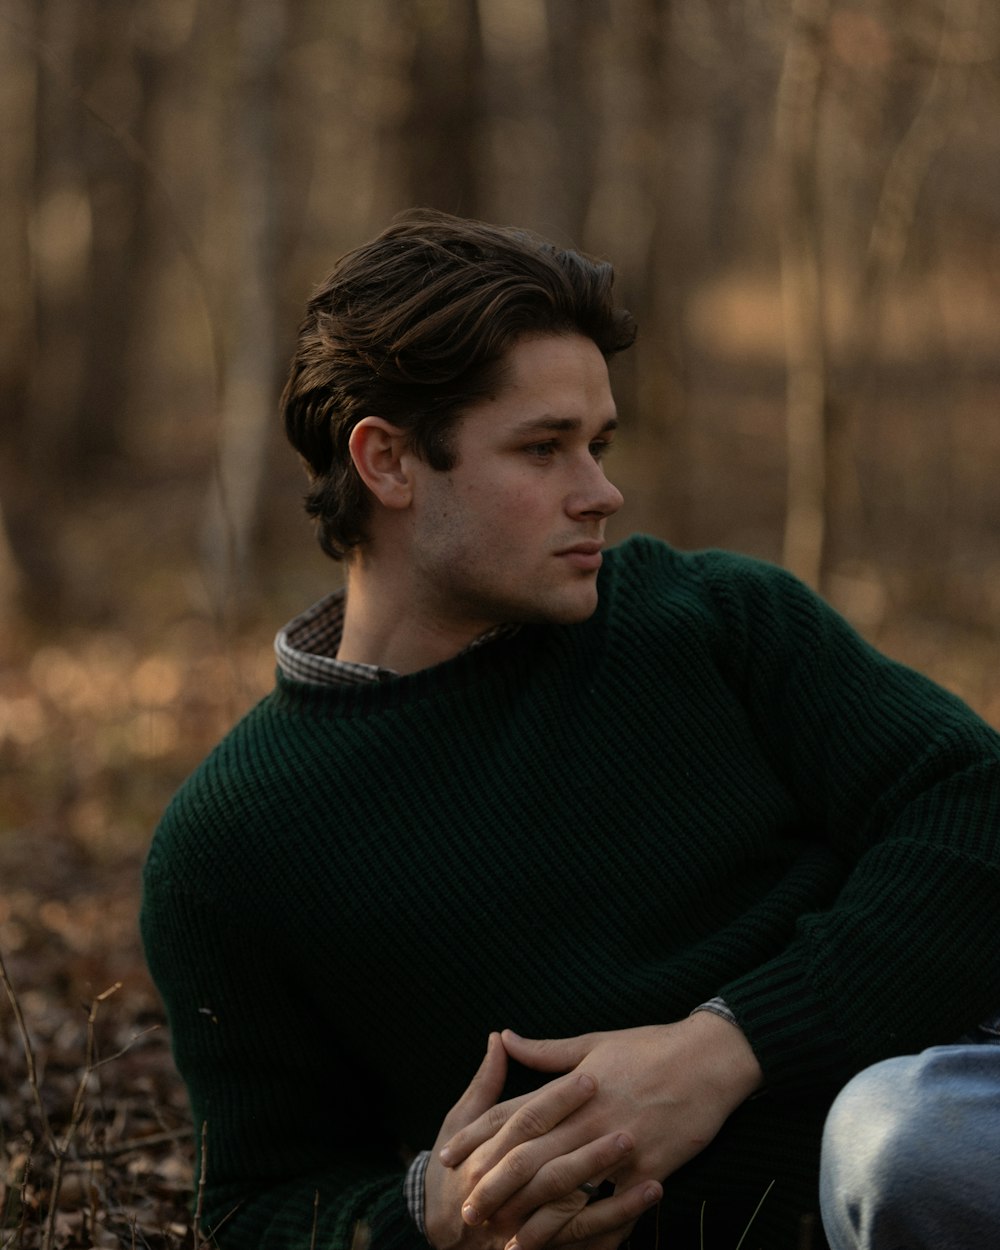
(595, 495)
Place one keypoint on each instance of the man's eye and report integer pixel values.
(541, 450)
(600, 448)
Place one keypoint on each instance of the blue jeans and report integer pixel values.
(911, 1151)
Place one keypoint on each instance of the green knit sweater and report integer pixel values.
(713, 786)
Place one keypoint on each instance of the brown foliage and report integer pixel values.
(96, 1146)
(95, 1138)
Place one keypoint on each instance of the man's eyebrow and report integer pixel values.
(560, 424)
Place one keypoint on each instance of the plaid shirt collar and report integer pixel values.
(306, 648)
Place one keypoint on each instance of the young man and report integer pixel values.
(663, 815)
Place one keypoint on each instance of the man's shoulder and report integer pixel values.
(219, 803)
(652, 567)
(644, 551)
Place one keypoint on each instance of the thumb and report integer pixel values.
(558, 1054)
(483, 1090)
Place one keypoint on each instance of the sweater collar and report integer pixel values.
(306, 648)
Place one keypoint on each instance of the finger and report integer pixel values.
(554, 1054)
(520, 1180)
(460, 1140)
(610, 1241)
(544, 1224)
(482, 1091)
(507, 1124)
(611, 1218)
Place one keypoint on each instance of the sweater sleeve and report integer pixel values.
(902, 780)
(291, 1145)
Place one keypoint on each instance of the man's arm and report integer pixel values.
(669, 1088)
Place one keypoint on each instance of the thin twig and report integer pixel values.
(29, 1050)
(134, 1143)
(75, 1118)
(50, 1223)
(209, 1240)
(312, 1239)
(756, 1212)
(22, 1192)
(202, 1179)
(23, 1198)
(123, 1050)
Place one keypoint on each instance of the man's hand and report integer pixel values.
(550, 1196)
(668, 1088)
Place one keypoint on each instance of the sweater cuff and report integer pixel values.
(785, 1021)
(390, 1223)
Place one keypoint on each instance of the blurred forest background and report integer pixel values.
(802, 200)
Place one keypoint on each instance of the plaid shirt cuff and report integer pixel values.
(413, 1189)
(717, 1006)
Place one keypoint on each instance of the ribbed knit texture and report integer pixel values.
(713, 786)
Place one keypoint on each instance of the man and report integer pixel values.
(663, 819)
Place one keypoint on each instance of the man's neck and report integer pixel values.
(385, 627)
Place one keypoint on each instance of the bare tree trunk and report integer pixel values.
(571, 68)
(17, 110)
(247, 414)
(797, 139)
(117, 188)
(938, 111)
(629, 219)
(438, 137)
(48, 248)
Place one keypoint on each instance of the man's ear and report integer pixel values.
(378, 448)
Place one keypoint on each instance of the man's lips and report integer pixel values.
(583, 555)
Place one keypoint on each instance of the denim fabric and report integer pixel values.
(911, 1151)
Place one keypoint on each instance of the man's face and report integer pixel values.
(513, 532)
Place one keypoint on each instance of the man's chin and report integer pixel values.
(569, 611)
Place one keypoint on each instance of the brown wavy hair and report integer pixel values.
(413, 327)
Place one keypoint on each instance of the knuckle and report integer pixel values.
(569, 1203)
(530, 1121)
(530, 1238)
(593, 1221)
(517, 1166)
(547, 1223)
(610, 1153)
(558, 1181)
(496, 1118)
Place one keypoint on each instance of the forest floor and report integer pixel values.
(96, 731)
(96, 1146)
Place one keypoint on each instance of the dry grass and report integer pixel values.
(95, 1141)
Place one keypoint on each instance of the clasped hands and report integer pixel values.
(632, 1106)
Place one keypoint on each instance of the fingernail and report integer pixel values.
(651, 1194)
(587, 1083)
(446, 1155)
(623, 1143)
(470, 1214)
(513, 1244)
